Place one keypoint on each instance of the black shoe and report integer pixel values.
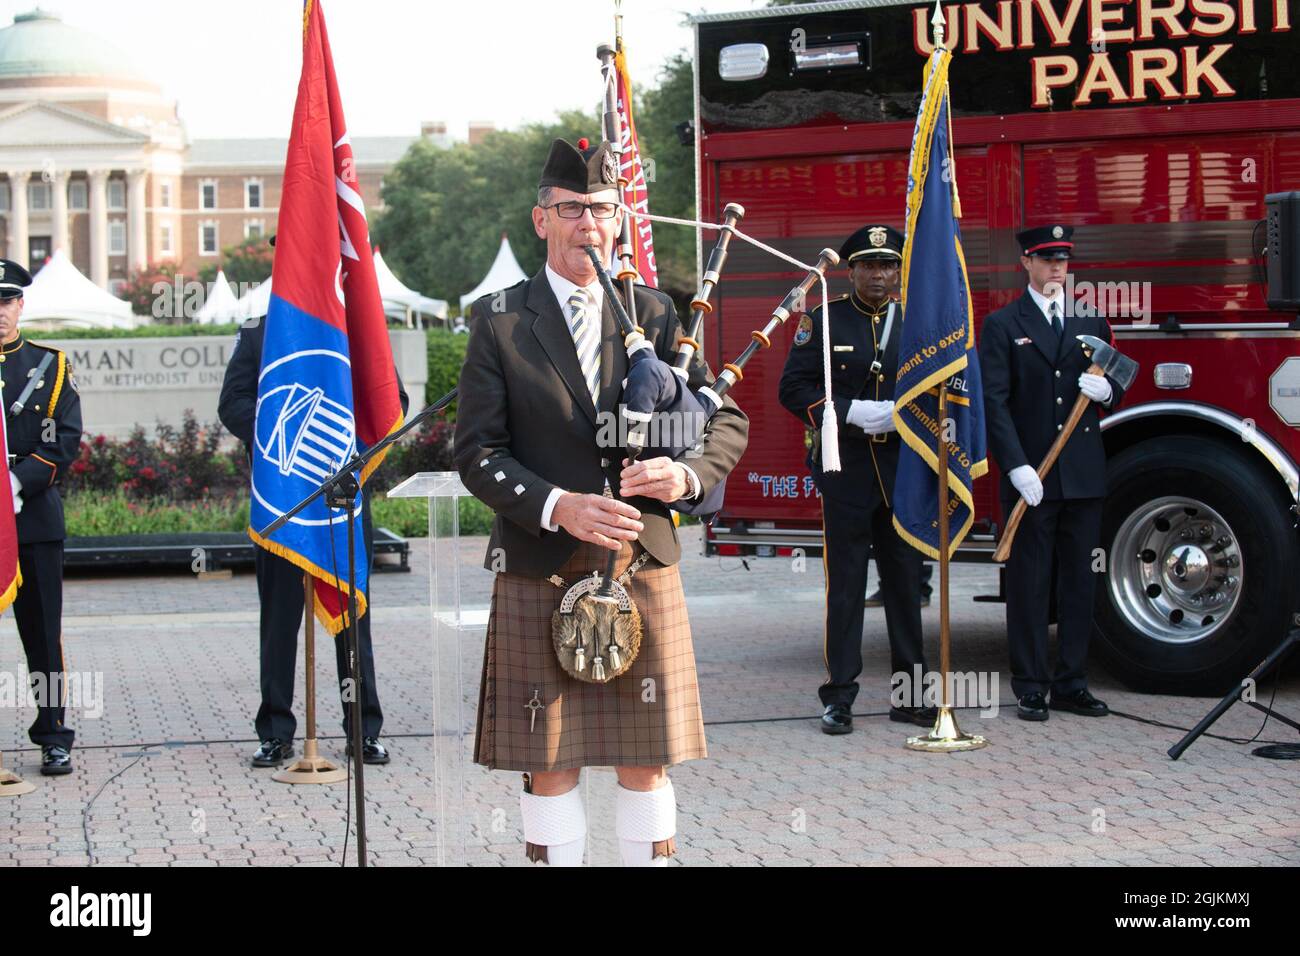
(55, 761)
(837, 719)
(874, 599)
(925, 599)
(372, 751)
(1032, 707)
(272, 753)
(1080, 702)
(921, 716)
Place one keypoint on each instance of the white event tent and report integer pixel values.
(504, 273)
(60, 297)
(401, 303)
(220, 305)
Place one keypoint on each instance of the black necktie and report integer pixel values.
(1055, 313)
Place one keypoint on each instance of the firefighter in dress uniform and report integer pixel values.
(1034, 369)
(43, 425)
(857, 514)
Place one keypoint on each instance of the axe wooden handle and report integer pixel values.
(1018, 513)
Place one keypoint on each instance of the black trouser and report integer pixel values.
(38, 612)
(1068, 531)
(280, 591)
(850, 532)
(927, 572)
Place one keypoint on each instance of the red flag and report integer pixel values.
(11, 576)
(635, 194)
(327, 383)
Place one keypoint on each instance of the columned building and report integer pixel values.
(94, 160)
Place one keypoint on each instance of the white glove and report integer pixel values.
(1026, 481)
(857, 413)
(16, 486)
(1096, 387)
(880, 419)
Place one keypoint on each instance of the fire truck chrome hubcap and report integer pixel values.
(1176, 570)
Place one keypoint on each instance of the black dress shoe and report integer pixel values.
(55, 761)
(272, 753)
(1080, 702)
(372, 751)
(925, 599)
(837, 719)
(921, 716)
(1032, 707)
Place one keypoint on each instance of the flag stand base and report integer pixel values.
(310, 768)
(946, 736)
(12, 785)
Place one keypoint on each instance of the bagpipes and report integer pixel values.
(597, 628)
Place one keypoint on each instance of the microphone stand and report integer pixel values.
(340, 490)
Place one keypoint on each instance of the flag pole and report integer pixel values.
(945, 736)
(12, 785)
(311, 767)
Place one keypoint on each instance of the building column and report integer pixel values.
(99, 227)
(60, 189)
(136, 246)
(18, 245)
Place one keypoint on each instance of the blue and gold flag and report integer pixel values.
(938, 338)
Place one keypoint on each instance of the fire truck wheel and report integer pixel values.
(1202, 566)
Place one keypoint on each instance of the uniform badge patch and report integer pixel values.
(877, 236)
(803, 334)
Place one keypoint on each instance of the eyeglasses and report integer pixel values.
(573, 210)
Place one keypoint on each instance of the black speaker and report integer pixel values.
(1282, 233)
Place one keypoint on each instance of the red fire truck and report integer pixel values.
(1159, 129)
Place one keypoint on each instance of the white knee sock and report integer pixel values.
(642, 819)
(558, 825)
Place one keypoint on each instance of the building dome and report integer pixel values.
(40, 45)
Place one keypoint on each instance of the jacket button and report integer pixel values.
(1058, 373)
(1058, 399)
(1059, 427)
(1087, 428)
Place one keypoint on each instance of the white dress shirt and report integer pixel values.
(1044, 304)
(563, 288)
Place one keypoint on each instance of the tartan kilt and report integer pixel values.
(648, 716)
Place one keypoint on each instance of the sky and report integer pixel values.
(233, 65)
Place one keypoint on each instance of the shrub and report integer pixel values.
(446, 356)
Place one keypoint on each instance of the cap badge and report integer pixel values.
(877, 236)
(608, 170)
(1057, 232)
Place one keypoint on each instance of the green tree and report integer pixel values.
(658, 111)
(446, 209)
(144, 286)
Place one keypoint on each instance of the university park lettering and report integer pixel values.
(1185, 70)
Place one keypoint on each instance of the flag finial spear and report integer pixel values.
(938, 23)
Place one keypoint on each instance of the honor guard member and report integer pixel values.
(43, 423)
(1034, 368)
(280, 590)
(857, 511)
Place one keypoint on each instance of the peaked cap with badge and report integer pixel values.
(1047, 242)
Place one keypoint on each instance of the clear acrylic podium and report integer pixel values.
(454, 633)
(460, 592)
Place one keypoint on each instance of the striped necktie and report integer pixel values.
(584, 326)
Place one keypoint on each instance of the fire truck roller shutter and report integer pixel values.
(1202, 563)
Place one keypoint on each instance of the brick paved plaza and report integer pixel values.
(179, 659)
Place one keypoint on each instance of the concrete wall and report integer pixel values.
(125, 382)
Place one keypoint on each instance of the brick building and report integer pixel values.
(95, 160)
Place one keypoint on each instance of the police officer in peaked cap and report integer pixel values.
(43, 424)
(857, 502)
